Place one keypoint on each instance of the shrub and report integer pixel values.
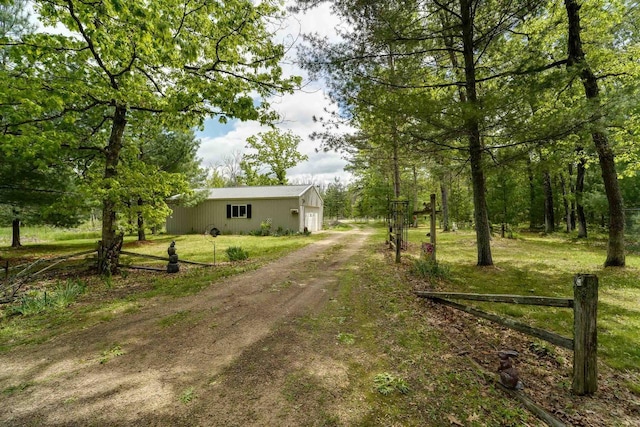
(38, 301)
(265, 227)
(236, 253)
(427, 268)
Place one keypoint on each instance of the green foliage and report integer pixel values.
(187, 395)
(386, 383)
(275, 152)
(114, 351)
(265, 227)
(39, 301)
(414, 106)
(16, 388)
(429, 269)
(346, 338)
(236, 253)
(337, 202)
(115, 95)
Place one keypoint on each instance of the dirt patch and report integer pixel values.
(147, 368)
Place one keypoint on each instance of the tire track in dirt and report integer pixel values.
(68, 385)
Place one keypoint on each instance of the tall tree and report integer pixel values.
(176, 61)
(275, 152)
(578, 64)
(37, 183)
(170, 157)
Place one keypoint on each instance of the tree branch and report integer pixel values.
(91, 46)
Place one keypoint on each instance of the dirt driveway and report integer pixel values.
(198, 360)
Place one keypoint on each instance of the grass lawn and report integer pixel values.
(532, 264)
(398, 369)
(108, 297)
(48, 242)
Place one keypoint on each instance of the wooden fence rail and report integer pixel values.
(12, 284)
(165, 258)
(584, 343)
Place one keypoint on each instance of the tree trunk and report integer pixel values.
(141, 235)
(576, 58)
(446, 179)
(444, 192)
(580, 174)
(532, 196)
(394, 140)
(549, 220)
(472, 125)
(572, 190)
(565, 201)
(15, 236)
(111, 243)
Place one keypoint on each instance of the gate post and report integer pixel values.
(432, 231)
(585, 334)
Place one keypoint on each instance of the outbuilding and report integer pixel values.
(239, 210)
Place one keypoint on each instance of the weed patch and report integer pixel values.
(114, 351)
(386, 383)
(347, 339)
(11, 390)
(187, 395)
(175, 318)
(37, 302)
(236, 253)
(429, 269)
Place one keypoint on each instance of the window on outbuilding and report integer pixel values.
(239, 211)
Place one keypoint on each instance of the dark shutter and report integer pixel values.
(249, 211)
(228, 211)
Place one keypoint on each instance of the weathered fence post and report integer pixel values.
(433, 226)
(585, 334)
(398, 225)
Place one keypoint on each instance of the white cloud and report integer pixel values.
(297, 111)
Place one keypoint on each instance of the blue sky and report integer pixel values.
(297, 111)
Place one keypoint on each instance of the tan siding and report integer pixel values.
(213, 213)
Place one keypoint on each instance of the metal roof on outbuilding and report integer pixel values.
(263, 192)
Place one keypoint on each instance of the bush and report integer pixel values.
(265, 227)
(38, 301)
(427, 268)
(236, 253)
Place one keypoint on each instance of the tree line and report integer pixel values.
(512, 108)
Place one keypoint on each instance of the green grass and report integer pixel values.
(113, 296)
(394, 358)
(114, 351)
(36, 301)
(187, 395)
(47, 241)
(386, 383)
(545, 266)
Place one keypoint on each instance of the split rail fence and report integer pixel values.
(11, 284)
(584, 343)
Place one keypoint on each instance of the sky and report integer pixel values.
(297, 111)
